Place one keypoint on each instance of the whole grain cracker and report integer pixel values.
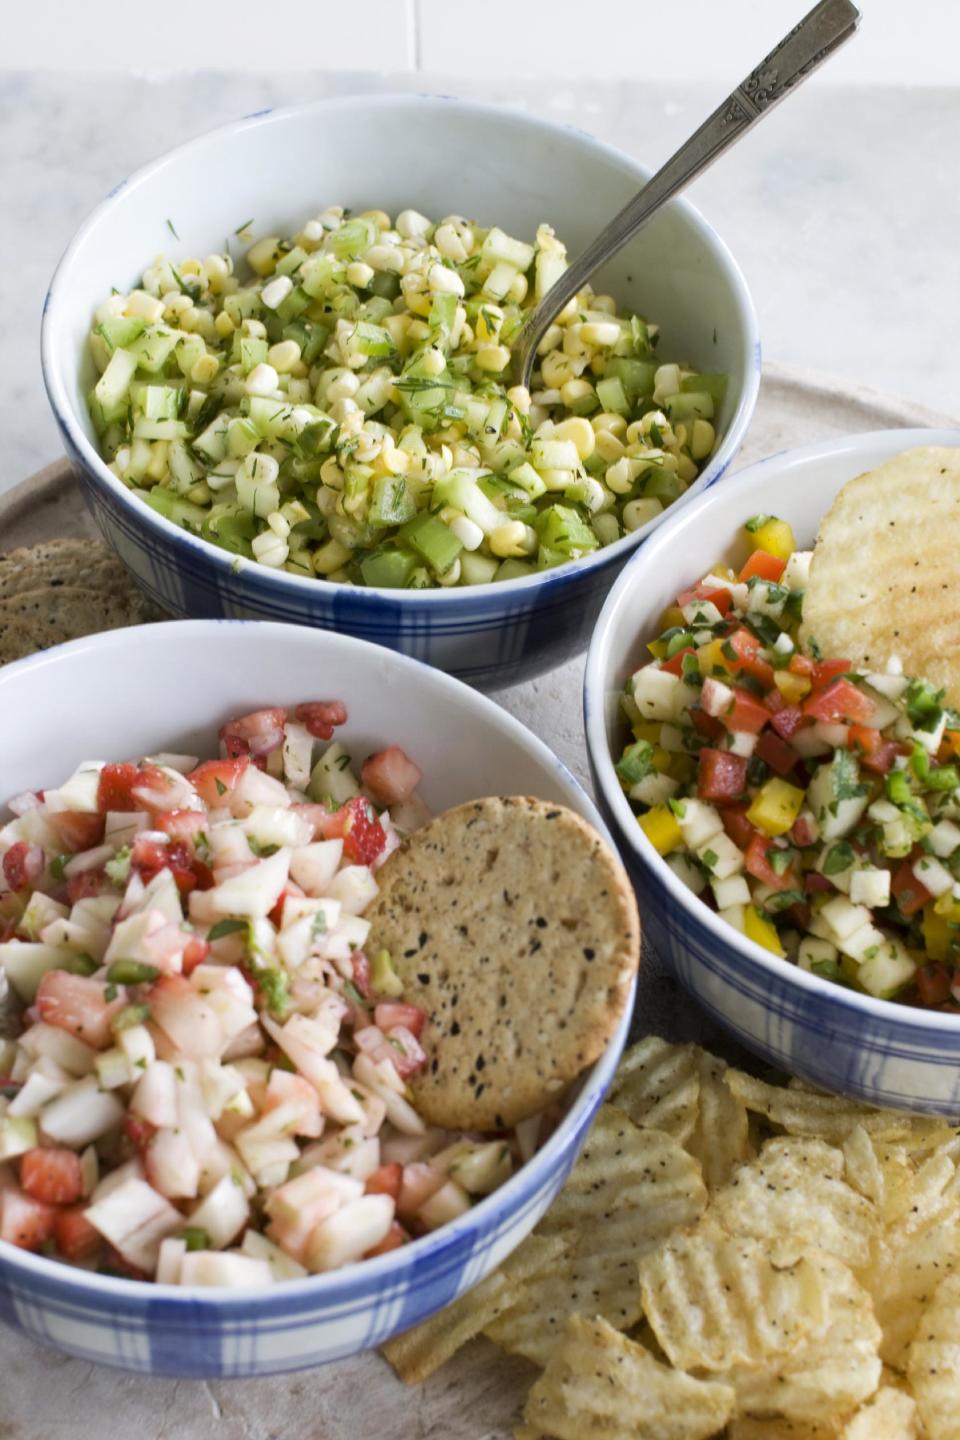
(884, 568)
(515, 927)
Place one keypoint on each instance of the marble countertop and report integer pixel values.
(842, 208)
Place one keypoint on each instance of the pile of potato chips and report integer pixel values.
(731, 1258)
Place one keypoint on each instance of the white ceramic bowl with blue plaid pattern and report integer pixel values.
(882, 1052)
(440, 155)
(128, 692)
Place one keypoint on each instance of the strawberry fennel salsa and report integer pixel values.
(208, 1084)
(815, 807)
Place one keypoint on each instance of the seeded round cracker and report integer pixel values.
(884, 569)
(515, 927)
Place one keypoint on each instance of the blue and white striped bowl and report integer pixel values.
(440, 155)
(130, 692)
(884, 1053)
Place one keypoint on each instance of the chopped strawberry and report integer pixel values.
(358, 825)
(216, 778)
(195, 952)
(138, 1131)
(150, 857)
(321, 716)
(24, 1221)
(255, 734)
(361, 972)
(52, 1175)
(131, 787)
(79, 1005)
(85, 885)
(390, 775)
(75, 1236)
(22, 865)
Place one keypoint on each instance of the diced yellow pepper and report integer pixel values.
(658, 648)
(647, 730)
(661, 829)
(938, 934)
(763, 931)
(775, 807)
(792, 687)
(776, 537)
(949, 907)
(660, 760)
(671, 618)
(712, 659)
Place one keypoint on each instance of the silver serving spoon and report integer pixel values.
(799, 53)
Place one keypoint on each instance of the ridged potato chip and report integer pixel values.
(800, 1111)
(599, 1383)
(749, 1427)
(884, 562)
(794, 1195)
(890, 1415)
(629, 1190)
(862, 1166)
(933, 1364)
(831, 1371)
(929, 1195)
(721, 1138)
(716, 1300)
(903, 1279)
(658, 1085)
(417, 1353)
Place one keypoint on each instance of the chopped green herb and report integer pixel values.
(226, 927)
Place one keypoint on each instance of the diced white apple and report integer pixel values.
(686, 871)
(134, 1219)
(400, 1114)
(815, 952)
(130, 1170)
(169, 1260)
(112, 1068)
(934, 876)
(172, 1167)
(350, 1151)
(890, 686)
(332, 777)
(297, 754)
(222, 1213)
(843, 918)
(354, 887)
(81, 1113)
(862, 943)
(479, 1167)
(655, 692)
(314, 866)
(58, 1045)
(870, 887)
(444, 1205)
(886, 971)
(340, 943)
(297, 941)
(41, 911)
(277, 825)
(38, 1089)
(261, 1149)
(733, 890)
(27, 961)
(136, 1042)
(833, 734)
(735, 916)
(159, 894)
(155, 1095)
(283, 1266)
(654, 789)
(121, 827)
(187, 1019)
(128, 941)
(721, 856)
(716, 698)
(255, 891)
(230, 1270)
(796, 574)
(80, 791)
(944, 838)
(349, 1233)
(168, 760)
(699, 822)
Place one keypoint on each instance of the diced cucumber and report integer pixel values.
(612, 395)
(462, 492)
(390, 569)
(550, 266)
(119, 331)
(513, 570)
(500, 247)
(433, 540)
(713, 385)
(527, 478)
(145, 429)
(154, 347)
(112, 388)
(392, 502)
(694, 405)
(252, 352)
(636, 376)
(174, 507)
(157, 402)
(476, 569)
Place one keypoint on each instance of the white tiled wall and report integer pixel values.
(915, 42)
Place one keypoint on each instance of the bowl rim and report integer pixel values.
(53, 362)
(516, 1194)
(778, 466)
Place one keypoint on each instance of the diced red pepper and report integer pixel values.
(876, 753)
(823, 671)
(764, 565)
(757, 863)
(674, 666)
(705, 724)
(736, 824)
(933, 984)
(746, 713)
(747, 649)
(840, 700)
(717, 595)
(721, 775)
(776, 753)
(801, 665)
(910, 893)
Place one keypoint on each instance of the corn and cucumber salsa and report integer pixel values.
(339, 404)
(814, 806)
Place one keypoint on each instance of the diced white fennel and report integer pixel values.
(129, 1170)
(222, 1213)
(348, 1151)
(85, 860)
(112, 1068)
(129, 939)
(340, 943)
(297, 754)
(313, 866)
(255, 891)
(297, 942)
(231, 1270)
(228, 995)
(479, 1166)
(134, 1219)
(18, 1134)
(170, 760)
(136, 1042)
(349, 1233)
(256, 788)
(38, 1088)
(160, 894)
(121, 827)
(332, 777)
(40, 912)
(187, 1018)
(81, 1113)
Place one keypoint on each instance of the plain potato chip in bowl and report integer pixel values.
(835, 1037)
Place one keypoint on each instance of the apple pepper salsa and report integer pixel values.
(813, 805)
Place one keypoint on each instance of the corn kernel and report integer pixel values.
(493, 358)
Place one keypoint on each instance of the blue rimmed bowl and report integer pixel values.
(882, 1052)
(130, 692)
(442, 156)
